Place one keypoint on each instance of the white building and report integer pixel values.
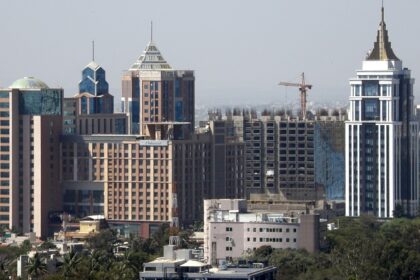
(230, 232)
(381, 135)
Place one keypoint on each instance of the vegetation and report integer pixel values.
(361, 249)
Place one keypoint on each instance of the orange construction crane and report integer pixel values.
(303, 87)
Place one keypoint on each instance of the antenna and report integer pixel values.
(151, 31)
(383, 11)
(93, 50)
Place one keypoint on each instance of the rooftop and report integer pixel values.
(151, 59)
(382, 47)
(28, 83)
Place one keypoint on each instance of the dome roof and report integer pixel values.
(28, 83)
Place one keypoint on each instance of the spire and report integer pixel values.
(151, 31)
(382, 47)
(151, 58)
(93, 50)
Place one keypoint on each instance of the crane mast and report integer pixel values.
(303, 87)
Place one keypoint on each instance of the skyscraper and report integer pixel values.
(30, 129)
(91, 110)
(381, 135)
(94, 91)
(152, 92)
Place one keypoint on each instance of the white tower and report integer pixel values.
(381, 136)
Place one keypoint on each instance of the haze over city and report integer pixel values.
(238, 49)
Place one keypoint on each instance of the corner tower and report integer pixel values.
(381, 136)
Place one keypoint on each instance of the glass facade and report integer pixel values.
(43, 102)
(371, 88)
(371, 109)
(93, 81)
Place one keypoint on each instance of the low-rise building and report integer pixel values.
(179, 264)
(230, 232)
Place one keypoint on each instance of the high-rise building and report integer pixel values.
(283, 157)
(137, 183)
(91, 110)
(153, 92)
(94, 91)
(30, 128)
(381, 136)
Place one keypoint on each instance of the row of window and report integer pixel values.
(270, 229)
(276, 240)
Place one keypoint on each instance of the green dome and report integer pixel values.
(28, 83)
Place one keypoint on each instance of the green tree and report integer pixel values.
(46, 246)
(104, 240)
(36, 267)
(70, 264)
(25, 247)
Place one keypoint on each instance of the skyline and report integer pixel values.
(272, 52)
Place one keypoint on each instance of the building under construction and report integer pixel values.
(288, 157)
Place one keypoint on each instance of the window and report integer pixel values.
(229, 229)
(228, 248)
(371, 88)
(371, 109)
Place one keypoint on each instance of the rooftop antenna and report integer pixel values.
(93, 50)
(151, 31)
(382, 10)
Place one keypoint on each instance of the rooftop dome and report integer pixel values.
(28, 83)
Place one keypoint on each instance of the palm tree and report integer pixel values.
(70, 262)
(36, 267)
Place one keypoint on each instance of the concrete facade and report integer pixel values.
(382, 136)
(299, 160)
(182, 264)
(142, 180)
(31, 125)
(230, 232)
(153, 92)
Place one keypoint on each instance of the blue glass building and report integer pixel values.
(94, 96)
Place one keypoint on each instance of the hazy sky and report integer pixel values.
(239, 49)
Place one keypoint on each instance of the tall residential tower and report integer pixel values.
(381, 136)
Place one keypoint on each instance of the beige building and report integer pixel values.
(144, 181)
(31, 124)
(152, 91)
(74, 122)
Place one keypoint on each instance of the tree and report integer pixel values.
(25, 247)
(399, 211)
(69, 266)
(103, 240)
(262, 254)
(46, 246)
(36, 267)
